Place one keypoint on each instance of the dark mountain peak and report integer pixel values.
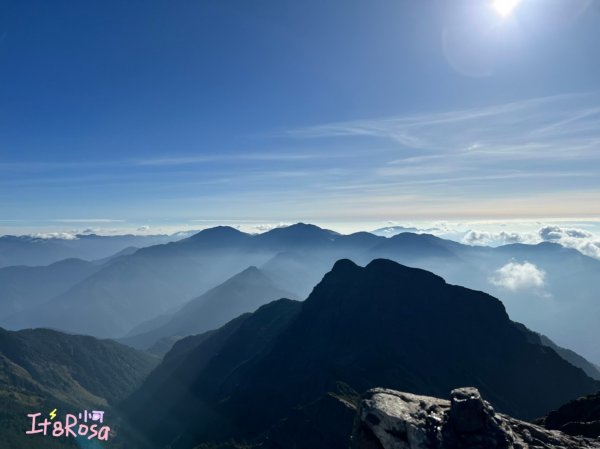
(363, 235)
(219, 237)
(306, 228)
(386, 267)
(218, 232)
(364, 240)
(410, 245)
(387, 288)
(429, 239)
(414, 237)
(386, 264)
(375, 276)
(382, 270)
(344, 266)
(298, 234)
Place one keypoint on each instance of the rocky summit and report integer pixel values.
(389, 419)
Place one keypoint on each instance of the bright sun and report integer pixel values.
(505, 7)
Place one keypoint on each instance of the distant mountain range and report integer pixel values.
(291, 373)
(41, 370)
(23, 288)
(36, 251)
(551, 289)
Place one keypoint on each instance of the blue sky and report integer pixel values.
(177, 114)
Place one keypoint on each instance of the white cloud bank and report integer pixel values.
(269, 227)
(580, 239)
(582, 235)
(54, 235)
(519, 276)
(486, 238)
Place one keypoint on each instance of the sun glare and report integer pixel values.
(505, 8)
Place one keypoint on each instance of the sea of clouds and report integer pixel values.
(582, 240)
(583, 236)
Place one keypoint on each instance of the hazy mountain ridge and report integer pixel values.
(130, 290)
(156, 280)
(36, 251)
(23, 287)
(244, 292)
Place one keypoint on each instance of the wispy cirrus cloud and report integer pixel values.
(556, 116)
(528, 148)
(233, 157)
(538, 157)
(178, 160)
(50, 166)
(86, 220)
(565, 127)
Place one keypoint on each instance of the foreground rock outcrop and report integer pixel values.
(389, 419)
(579, 417)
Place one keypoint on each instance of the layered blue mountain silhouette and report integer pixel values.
(248, 364)
(138, 292)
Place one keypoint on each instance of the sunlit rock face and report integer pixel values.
(389, 419)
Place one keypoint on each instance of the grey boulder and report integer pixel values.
(389, 419)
